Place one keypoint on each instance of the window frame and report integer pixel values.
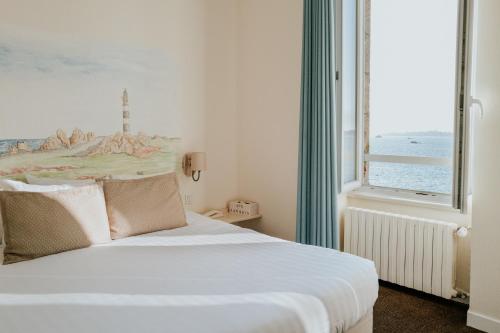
(460, 160)
(463, 95)
(358, 178)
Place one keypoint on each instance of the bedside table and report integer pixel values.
(235, 218)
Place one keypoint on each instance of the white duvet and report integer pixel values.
(207, 277)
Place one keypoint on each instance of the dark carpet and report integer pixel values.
(401, 309)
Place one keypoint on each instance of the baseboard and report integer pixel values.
(482, 322)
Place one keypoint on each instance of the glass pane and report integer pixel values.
(412, 90)
(411, 176)
(418, 145)
(349, 90)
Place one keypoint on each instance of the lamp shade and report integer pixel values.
(198, 161)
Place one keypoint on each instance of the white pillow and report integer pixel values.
(14, 185)
(5, 186)
(52, 181)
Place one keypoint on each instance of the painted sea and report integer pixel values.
(33, 144)
(427, 178)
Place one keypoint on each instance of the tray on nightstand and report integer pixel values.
(235, 218)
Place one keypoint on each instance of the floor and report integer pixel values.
(400, 309)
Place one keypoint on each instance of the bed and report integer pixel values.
(209, 276)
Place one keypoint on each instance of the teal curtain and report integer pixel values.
(317, 188)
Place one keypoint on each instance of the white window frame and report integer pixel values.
(464, 90)
(460, 161)
(345, 187)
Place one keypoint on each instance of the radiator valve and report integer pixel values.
(462, 232)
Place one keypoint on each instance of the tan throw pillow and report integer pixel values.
(139, 206)
(39, 224)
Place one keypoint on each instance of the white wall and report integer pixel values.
(221, 96)
(198, 36)
(238, 88)
(238, 92)
(269, 62)
(484, 312)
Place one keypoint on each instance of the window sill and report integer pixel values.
(404, 197)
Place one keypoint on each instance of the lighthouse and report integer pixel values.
(126, 112)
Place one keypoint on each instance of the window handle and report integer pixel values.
(476, 101)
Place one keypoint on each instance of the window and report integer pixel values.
(411, 61)
(347, 90)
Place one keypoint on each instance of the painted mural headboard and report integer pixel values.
(83, 155)
(65, 113)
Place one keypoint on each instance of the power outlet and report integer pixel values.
(188, 199)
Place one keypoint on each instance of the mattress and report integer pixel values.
(206, 277)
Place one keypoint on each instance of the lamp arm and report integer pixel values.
(193, 173)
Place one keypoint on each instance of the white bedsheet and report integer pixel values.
(206, 277)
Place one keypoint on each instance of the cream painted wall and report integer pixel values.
(221, 102)
(269, 62)
(238, 63)
(484, 312)
(197, 35)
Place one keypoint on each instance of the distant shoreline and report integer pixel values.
(426, 133)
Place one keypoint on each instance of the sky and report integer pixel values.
(52, 81)
(413, 53)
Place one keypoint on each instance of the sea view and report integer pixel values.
(428, 178)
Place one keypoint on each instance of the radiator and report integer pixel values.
(412, 252)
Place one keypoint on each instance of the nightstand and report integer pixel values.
(236, 218)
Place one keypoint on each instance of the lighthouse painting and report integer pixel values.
(83, 155)
(126, 112)
(72, 109)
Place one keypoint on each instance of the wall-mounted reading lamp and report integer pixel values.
(193, 164)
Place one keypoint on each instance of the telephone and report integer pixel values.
(213, 214)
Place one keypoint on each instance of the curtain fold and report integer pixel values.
(317, 188)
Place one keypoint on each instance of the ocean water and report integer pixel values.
(427, 178)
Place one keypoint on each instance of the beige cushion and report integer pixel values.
(39, 224)
(14, 185)
(138, 206)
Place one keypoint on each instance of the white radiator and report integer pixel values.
(412, 252)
